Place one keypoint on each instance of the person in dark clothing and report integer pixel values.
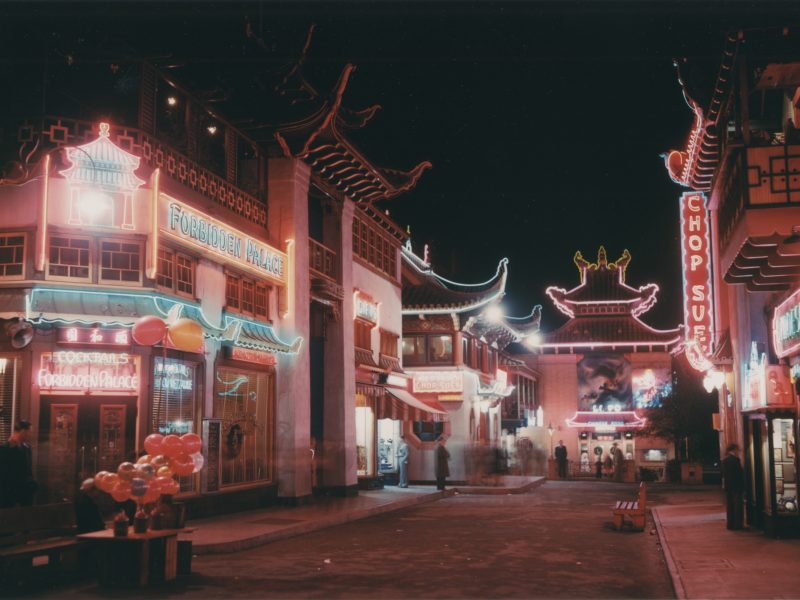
(442, 464)
(561, 459)
(733, 478)
(87, 512)
(17, 485)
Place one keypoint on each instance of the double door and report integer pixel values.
(79, 436)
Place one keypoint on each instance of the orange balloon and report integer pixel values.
(121, 491)
(187, 335)
(159, 461)
(144, 459)
(107, 482)
(164, 471)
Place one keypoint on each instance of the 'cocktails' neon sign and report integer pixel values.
(89, 371)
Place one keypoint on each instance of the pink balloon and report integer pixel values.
(172, 446)
(171, 488)
(149, 331)
(183, 465)
(152, 443)
(191, 443)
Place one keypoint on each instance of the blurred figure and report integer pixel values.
(402, 462)
(88, 517)
(442, 464)
(733, 480)
(561, 459)
(17, 485)
(524, 454)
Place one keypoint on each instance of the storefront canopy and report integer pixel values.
(399, 404)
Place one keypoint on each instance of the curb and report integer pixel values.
(500, 491)
(674, 573)
(315, 525)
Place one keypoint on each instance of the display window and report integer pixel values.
(244, 401)
(365, 435)
(389, 431)
(784, 465)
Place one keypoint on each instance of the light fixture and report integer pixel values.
(550, 429)
(533, 340)
(172, 100)
(212, 129)
(540, 417)
(713, 380)
(494, 314)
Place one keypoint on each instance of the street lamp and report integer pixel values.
(551, 430)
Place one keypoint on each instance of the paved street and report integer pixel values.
(553, 542)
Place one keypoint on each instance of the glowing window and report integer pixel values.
(440, 348)
(414, 349)
(69, 257)
(12, 255)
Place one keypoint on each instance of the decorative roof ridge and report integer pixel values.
(528, 324)
(676, 332)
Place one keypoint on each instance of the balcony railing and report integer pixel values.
(322, 260)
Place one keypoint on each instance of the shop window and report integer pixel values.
(8, 406)
(365, 435)
(783, 451)
(244, 401)
(174, 393)
(374, 247)
(69, 257)
(414, 349)
(428, 431)
(389, 431)
(440, 349)
(246, 296)
(12, 255)
(120, 261)
(363, 334)
(389, 344)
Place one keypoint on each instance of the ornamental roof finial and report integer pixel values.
(602, 262)
(104, 130)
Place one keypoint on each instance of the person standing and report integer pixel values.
(17, 485)
(561, 459)
(442, 464)
(733, 479)
(616, 455)
(402, 462)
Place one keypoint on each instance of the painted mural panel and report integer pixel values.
(604, 383)
(651, 387)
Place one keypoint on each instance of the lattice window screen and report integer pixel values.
(8, 371)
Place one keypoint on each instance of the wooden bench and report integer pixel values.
(37, 538)
(634, 510)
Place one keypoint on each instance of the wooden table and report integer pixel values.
(137, 560)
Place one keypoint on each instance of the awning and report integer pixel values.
(365, 360)
(257, 336)
(606, 421)
(399, 404)
(70, 306)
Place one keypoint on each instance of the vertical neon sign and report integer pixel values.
(41, 255)
(697, 293)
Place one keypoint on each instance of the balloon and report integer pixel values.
(186, 335)
(152, 494)
(172, 488)
(107, 482)
(159, 461)
(152, 443)
(149, 331)
(98, 479)
(87, 484)
(191, 443)
(144, 459)
(126, 471)
(199, 461)
(182, 465)
(172, 446)
(145, 471)
(138, 487)
(165, 471)
(121, 491)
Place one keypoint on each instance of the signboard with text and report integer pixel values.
(72, 370)
(786, 326)
(259, 357)
(95, 336)
(696, 267)
(436, 382)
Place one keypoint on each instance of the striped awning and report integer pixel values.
(400, 405)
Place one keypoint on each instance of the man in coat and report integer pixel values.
(561, 459)
(17, 485)
(733, 479)
(442, 464)
(616, 455)
(402, 462)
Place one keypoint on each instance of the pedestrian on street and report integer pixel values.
(733, 479)
(598, 467)
(524, 453)
(616, 455)
(561, 459)
(17, 485)
(442, 464)
(608, 465)
(402, 462)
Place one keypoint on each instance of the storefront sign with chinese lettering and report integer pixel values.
(118, 336)
(366, 308)
(221, 241)
(435, 382)
(696, 263)
(88, 371)
(786, 326)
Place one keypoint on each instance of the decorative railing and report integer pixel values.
(62, 131)
(322, 260)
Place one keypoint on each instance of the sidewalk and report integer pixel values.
(240, 531)
(706, 560)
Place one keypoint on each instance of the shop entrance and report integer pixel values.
(79, 436)
(600, 446)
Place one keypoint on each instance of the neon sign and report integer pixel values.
(254, 356)
(365, 308)
(438, 382)
(83, 371)
(220, 240)
(696, 263)
(173, 375)
(786, 326)
(95, 336)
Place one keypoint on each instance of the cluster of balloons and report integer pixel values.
(154, 473)
(183, 334)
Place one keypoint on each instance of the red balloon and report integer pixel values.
(121, 491)
(191, 443)
(149, 331)
(171, 488)
(152, 443)
(182, 465)
(172, 446)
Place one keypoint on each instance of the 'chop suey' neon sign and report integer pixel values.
(696, 263)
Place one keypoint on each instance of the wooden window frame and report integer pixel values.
(24, 236)
(390, 340)
(174, 256)
(375, 248)
(90, 249)
(259, 289)
(424, 360)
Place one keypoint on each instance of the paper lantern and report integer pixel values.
(186, 335)
(152, 443)
(191, 443)
(172, 446)
(149, 331)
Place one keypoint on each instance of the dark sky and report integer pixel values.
(544, 121)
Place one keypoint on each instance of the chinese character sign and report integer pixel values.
(696, 263)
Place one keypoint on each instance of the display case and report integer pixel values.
(784, 463)
(389, 431)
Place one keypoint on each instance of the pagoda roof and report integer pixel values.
(603, 289)
(320, 141)
(604, 331)
(425, 292)
(102, 163)
(500, 332)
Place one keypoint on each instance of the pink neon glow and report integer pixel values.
(41, 257)
(778, 315)
(609, 421)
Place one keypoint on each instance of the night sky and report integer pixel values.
(544, 122)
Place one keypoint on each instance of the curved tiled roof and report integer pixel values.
(618, 330)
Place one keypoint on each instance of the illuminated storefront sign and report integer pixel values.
(82, 371)
(254, 356)
(179, 221)
(786, 326)
(696, 263)
(766, 385)
(173, 375)
(606, 420)
(366, 308)
(94, 336)
(438, 382)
